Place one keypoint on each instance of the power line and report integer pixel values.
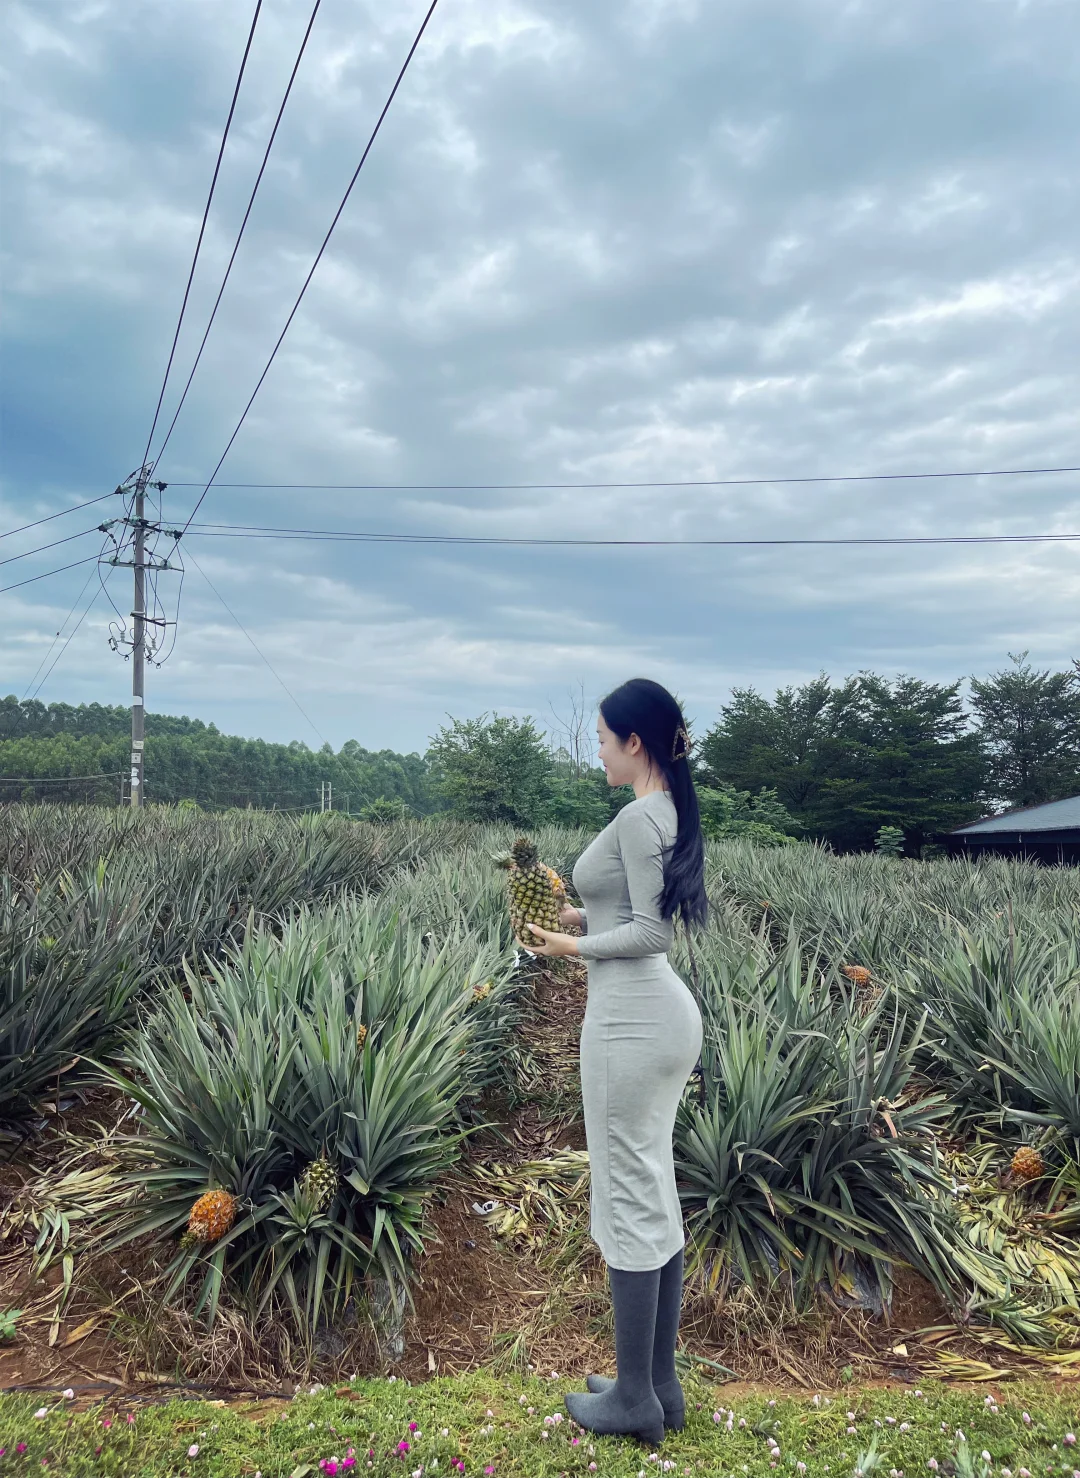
(250, 531)
(318, 258)
(56, 638)
(43, 548)
(56, 779)
(253, 642)
(528, 487)
(70, 635)
(240, 233)
(202, 227)
(73, 509)
(48, 573)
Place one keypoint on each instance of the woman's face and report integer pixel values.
(621, 761)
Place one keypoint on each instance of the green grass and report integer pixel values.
(486, 1422)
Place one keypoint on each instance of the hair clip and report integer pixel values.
(681, 754)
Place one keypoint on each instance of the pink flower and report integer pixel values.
(403, 1446)
(193, 1450)
(20, 1448)
(106, 1424)
(329, 1466)
(1070, 1439)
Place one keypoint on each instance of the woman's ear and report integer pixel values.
(633, 744)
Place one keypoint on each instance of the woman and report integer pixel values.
(640, 1040)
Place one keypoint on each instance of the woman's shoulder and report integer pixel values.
(654, 810)
(652, 800)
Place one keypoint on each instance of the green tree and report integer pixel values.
(1030, 726)
(726, 812)
(496, 769)
(581, 800)
(889, 841)
(758, 745)
(847, 759)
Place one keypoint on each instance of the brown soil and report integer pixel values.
(478, 1301)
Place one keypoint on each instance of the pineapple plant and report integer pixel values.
(531, 888)
(1027, 1164)
(211, 1217)
(320, 1182)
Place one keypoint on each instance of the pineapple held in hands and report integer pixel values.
(536, 892)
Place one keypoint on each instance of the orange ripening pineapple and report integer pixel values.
(857, 974)
(1027, 1163)
(211, 1217)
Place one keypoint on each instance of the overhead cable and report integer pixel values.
(56, 638)
(250, 531)
(46, 574)
(202, 227)
(43, 548)
(55, 779)
(315, 263)
(240, 233)
(258, 649)
(49, 516)
(89, 607)
(529, 487)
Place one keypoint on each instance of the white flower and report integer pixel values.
(985, 1456)
(68, 1395)
(41, 1411)
(193, 1450)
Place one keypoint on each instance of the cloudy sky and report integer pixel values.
(659, 241)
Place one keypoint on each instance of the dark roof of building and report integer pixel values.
(1053, 816)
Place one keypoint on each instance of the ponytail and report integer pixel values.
(644, 708)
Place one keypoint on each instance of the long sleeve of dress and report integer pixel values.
(584, 925)
(641, 847)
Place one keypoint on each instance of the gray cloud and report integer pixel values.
(676, 241)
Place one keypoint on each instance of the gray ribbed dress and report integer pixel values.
(640, 1039)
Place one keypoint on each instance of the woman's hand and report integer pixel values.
(553, 946)
(570, 918)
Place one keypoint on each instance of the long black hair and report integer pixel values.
(648, 710)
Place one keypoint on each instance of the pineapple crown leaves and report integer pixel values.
(524, 852)
(503, 859)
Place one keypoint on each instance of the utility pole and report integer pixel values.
(138, 649)
(135, 519)
(326, 795)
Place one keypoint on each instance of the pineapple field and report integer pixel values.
(285, 1096)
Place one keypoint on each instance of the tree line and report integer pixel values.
(838, 761)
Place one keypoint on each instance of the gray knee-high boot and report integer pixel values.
(629, 1406)
(665, 1381)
